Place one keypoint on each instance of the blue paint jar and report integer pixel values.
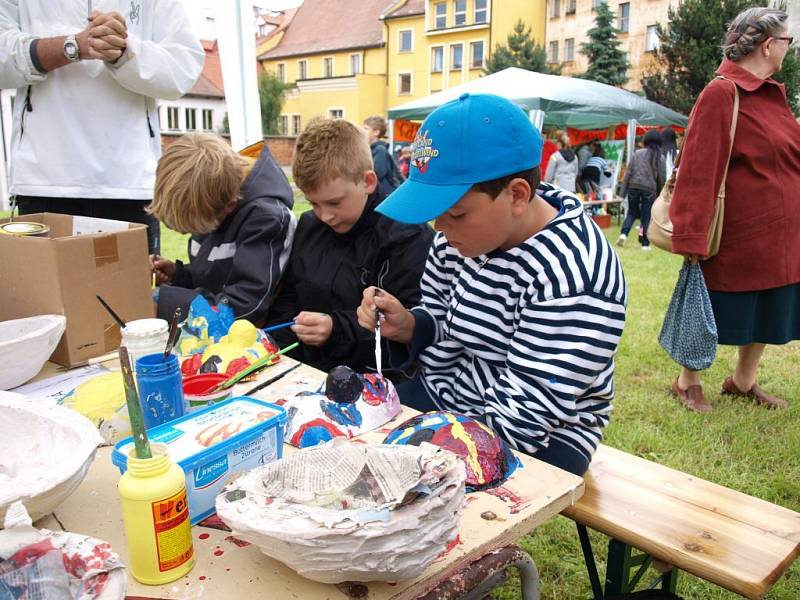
(160, 389)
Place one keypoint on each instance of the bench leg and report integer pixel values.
(621, 562)
(591, 565)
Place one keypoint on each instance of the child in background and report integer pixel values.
(523, 298)
(389, 176)
(341, 247)
(405, 161)
(239, 212)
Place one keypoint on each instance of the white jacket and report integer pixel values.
(561, 172)
(91, 129)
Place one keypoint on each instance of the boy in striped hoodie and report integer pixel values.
(523, 298)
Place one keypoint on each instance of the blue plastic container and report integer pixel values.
(213, 444)
(160, 389)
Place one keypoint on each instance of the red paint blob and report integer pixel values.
(202, 578)
(219, 552)
(508, 495)
(204, 536)
(237, 542)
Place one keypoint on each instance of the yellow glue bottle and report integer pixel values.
(156, 514)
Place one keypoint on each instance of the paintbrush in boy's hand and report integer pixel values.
(134, 408)
(378, 351)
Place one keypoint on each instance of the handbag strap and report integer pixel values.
(734, 121)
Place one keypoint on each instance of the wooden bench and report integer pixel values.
(726, 537)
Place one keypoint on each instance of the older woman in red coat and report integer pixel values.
(754, 280)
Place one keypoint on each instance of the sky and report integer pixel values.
(202, 13)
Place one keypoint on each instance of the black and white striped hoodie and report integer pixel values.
(525, 339)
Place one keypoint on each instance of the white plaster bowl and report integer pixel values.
(47, 450)
(25, 345)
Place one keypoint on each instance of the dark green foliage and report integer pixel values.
(270, 91)
(607, 62)
(691, 51)
(521, 51)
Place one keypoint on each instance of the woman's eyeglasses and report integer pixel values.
(790, 40)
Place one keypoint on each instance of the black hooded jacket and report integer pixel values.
(241, 261)
(329, 271)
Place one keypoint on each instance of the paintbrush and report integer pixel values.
(272, 380)
(89, 16)
(134, 408)
(256, 366)
(279, 326)
(378, 350)
(174, 333)
(114, 315)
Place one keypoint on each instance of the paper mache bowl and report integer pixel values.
(25, 345)
(47, 450)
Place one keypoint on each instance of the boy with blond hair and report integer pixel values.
(523, 298)
(239, 212)
(341, 247)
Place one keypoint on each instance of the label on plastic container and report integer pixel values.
(173, 531)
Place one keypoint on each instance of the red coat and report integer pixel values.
(760, 246)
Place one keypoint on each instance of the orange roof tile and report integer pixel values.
(210, 81)
(325, 26)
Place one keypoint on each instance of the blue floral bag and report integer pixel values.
(689, 332)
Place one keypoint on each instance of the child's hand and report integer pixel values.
(397, 324)
(313, 328)
(163, 267)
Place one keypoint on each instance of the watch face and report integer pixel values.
(71, 50)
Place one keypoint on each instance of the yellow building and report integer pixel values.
(355, 58)
(568, 21)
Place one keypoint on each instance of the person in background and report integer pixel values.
(389, 176)
(341, 247)
(85, 138)
(405, 161)
(562, 170)
(549, 147)
(595, 166)
(754, 279)
(643, 181)
(239, 212)
(669, 149)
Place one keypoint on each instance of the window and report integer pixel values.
(191, 119)
(623, 20)
(172, 117)
(456, 57)
(596, 3)
(651, 41)
(295, 124)
(569, 49)
(336, 113)
(355, 64)
(283, 125)
(208, 119)
(476, 52)
(262, 30)
(404, 83)
(281, 71)
(571, 7)
(302, 69)
(327, 65)
(555, 8)
(480, 11)
(437, 59)
(440, 12)
(553, 54)
(460, 12)
(406, 40)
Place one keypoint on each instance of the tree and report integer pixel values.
(690, 52)
(521, 51)
(271, 91)
(607, 63)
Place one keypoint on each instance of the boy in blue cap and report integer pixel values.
(523, 298)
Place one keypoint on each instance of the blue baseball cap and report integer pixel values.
(470, 140)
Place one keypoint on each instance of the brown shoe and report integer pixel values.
(755, 393)
(692, 397)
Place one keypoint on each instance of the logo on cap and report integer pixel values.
(423, 151)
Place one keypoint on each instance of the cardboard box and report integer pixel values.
(62, 271)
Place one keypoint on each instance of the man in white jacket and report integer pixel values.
(85, 137)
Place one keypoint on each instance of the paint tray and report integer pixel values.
(213, 444)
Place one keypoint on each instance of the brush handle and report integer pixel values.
(272, 380)
(114, 315)
(278, 326)
(174, 332)
(134, 408)
(256, 366)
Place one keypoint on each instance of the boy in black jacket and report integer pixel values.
(239, 212)
(341, 247)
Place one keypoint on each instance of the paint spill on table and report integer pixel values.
(509, 496)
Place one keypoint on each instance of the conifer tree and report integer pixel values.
(607, 62)
(522, 51)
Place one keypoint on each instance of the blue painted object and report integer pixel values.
(160, 389)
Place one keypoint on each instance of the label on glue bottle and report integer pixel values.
(173, 531)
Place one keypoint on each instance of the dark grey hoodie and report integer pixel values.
(240, 262)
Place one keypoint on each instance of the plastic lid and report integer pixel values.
(145, 327)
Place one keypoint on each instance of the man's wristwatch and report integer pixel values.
(72, 51)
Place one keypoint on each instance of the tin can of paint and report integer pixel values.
(25, 228)
(160, 390)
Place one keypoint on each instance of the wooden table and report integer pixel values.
(226, 570)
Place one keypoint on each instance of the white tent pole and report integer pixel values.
(630, 140)
(237, 53)
(390, 133)
(537, 118)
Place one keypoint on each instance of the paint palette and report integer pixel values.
(488, 458)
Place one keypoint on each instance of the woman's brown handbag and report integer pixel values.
(659, 232)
